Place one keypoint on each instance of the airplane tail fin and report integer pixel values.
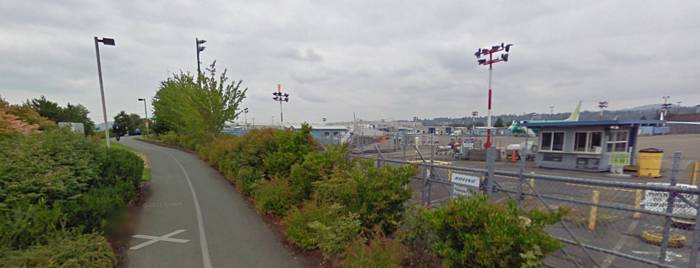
(574, 114)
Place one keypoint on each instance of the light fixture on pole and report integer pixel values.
(490, 61)
(602, 105)
(665, 106)
(200, 47)
(474, 115)
(107, 42)
(145, 112)
(280, 97)
(245, 116)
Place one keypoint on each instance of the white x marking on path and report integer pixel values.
(155, 239)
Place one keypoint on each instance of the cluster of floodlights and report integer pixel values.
(279, 96)
(200, 47)
(485, 51)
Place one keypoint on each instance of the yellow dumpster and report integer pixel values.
(650, 162)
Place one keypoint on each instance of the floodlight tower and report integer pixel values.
(280, 97)
(602, 105)
(665, 107)
(474, 115)
(490, 61)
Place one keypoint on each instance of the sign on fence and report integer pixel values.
(463, 184)
(657, 200)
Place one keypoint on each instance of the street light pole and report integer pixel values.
(145, 112)
(200, 47)
(245, 116)
(504, 57)
(108, 42)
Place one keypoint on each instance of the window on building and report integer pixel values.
(326, 134)
(546, 143)
(617, 141)
(552, 141)
(588, 142)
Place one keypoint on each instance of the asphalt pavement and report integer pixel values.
(193, 217)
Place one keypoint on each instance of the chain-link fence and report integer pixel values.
(611, 221)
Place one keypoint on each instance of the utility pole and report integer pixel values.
(280, 97)
(107, 42)
(504, 57)
(145, 112)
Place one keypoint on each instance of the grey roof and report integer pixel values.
(543, 124)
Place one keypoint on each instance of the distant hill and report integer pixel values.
(100, 126)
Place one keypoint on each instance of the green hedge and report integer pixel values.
(57, 180)
(66, 249)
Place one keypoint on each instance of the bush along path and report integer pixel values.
(355, 214)
(59, 194)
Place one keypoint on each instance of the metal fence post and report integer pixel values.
(521, 177)
(669, 207)
(380, 156)
(693, 260)
(490, 163)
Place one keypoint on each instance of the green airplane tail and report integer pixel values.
(574, 114)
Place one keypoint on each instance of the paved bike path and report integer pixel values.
(193, 217)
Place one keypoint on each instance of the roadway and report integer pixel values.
(193, 217)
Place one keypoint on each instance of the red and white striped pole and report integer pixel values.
(504, 57)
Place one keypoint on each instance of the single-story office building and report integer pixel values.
(585, 145)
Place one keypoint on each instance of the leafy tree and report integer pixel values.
(127, 123)
(186, 107)
(499, 123)
(70, 113)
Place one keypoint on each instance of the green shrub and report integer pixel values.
(247, 179)
(121, 165)
(58, 179)
(377, 195)
(473, 233)
(378, 252)
(274, 197)
(98, 209)
(328, 228)
(317, 165)
(214, 151)
(169, 137)
(27, 224)
(54, 165)
(64, 249)
(290, 147)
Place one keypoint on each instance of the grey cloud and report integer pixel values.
(380, 59)
(308, 54)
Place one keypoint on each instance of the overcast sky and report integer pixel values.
(379, 59)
